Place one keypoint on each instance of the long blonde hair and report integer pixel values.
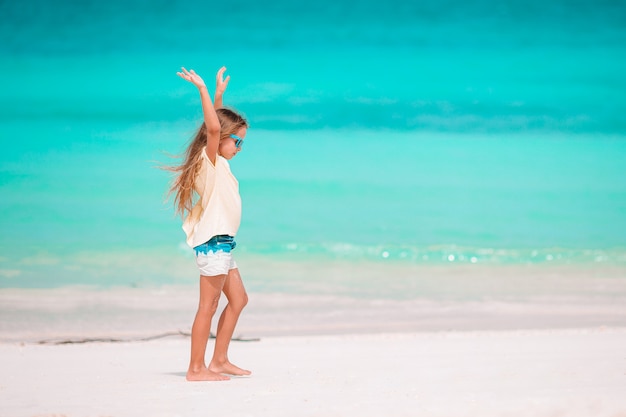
(182, 186)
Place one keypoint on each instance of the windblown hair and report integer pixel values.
(182, 186)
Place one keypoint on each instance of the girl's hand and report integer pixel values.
(192, 77)
(220, 82)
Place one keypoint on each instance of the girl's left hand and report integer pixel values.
(220, 82)
(192, 77)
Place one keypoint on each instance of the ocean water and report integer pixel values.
(431, 133)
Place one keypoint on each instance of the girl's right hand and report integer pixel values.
(192, 77)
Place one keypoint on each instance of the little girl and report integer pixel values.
(211, 224)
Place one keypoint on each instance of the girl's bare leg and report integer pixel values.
(210, 291)
(237, 300)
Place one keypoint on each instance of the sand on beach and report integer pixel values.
(551, 342)
(476, 373)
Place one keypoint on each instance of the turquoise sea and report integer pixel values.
(408, 133)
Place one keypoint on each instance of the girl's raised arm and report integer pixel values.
(210, 117)
(220, 87)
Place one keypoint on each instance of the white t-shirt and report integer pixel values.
(218, 210)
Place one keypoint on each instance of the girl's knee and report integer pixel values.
(239, 303)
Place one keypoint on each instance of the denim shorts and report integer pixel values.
(214, 258)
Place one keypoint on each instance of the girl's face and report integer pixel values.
(228, 147)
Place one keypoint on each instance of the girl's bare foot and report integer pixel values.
(205, 375)
(228, 368)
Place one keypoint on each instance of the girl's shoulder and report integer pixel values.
(221, 163)
(206, 162)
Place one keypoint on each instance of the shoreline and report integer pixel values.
(79, 313)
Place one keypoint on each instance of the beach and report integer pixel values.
(79, 351)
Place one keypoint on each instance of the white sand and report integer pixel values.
(499, 342)
(507, 373)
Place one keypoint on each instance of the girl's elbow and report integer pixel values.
(213, 129)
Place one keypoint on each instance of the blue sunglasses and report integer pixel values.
(238, 141)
